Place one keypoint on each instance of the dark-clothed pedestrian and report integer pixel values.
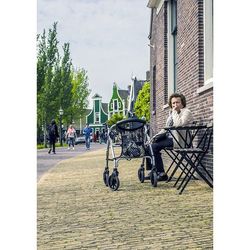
(97, 136)
(53, 135)
(103, 137)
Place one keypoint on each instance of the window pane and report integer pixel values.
(115, 105)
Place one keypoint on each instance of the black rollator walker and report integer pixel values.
(132, 137)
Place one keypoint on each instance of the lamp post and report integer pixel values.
(61, 113)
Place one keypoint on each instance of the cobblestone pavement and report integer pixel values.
(46, 161)
(77, 211)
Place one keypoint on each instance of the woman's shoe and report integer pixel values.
(162, 177)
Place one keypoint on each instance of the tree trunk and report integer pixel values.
(45, 135)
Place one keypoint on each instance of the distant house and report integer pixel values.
(98, 115)
(181, 58)
(118, 103)
(135, 87)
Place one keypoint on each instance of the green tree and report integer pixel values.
(142, 104)
(65, 87)
(47, 58)
(41, 73)
(58, 85)
(80, 92)
(114, 119)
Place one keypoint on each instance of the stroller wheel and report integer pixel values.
(141, 174)
(153, 178)
(106, 177)
(114, 182)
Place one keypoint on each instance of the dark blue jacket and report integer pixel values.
(87, 131)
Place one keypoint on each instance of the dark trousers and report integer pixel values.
(157, 147)
(71, 141)
(52, 145)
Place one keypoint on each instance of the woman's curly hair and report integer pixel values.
(176, 95)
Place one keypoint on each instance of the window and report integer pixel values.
(115, 105)
(172, 46)
(97, 117)
(208, 41)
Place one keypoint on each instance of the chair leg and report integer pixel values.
(173, 160)
(188, 175)
(206, 171)
(176, 167)
(189, 178)
(183, 171)
(191, 173)
(194, 165)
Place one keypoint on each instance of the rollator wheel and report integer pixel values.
(106, 177)
(141, 175)
(114, 182)
(153, 178)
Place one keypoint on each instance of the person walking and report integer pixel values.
(97, 136)
(71, 134)
(53, 135)
(102, 136)
(87, 131)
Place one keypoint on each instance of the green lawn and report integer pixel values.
(41, 146)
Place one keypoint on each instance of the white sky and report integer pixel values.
(108, 38)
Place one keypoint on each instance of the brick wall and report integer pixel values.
(157, 58)
(190, 64)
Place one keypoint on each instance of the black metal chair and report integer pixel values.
(187, 134)
(193, 155)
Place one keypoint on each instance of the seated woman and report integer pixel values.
(179, 116)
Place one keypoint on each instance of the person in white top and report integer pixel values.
(71, 133)
(179, 115)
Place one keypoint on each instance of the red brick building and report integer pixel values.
(181, 58)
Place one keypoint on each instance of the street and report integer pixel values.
(46, 161)
(75, 210)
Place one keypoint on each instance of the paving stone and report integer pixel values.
(75, 210)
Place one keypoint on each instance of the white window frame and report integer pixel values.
(208, 46)
(160, 4)
(208, 41)
(171, 51)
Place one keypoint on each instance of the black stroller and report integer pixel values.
(132, 137)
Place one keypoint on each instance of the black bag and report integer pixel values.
(133, 152)
(160, 137)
